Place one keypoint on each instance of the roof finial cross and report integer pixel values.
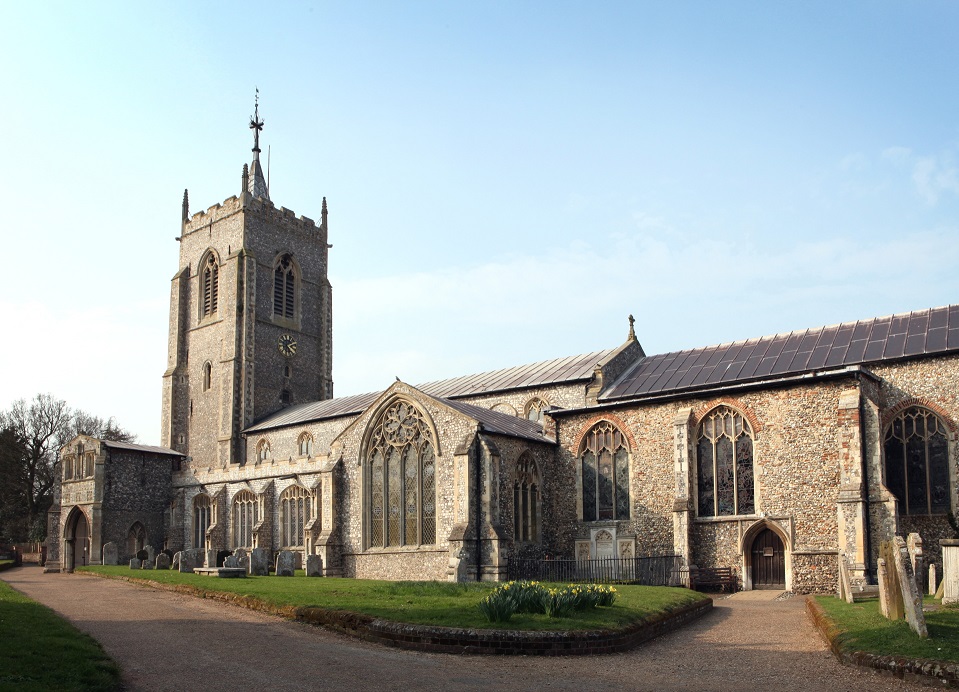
(632, 332)
(255, 123)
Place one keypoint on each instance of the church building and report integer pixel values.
(779, 457)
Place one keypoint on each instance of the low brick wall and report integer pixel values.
(503, 642)
(916, 669)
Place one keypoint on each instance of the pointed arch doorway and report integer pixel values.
(768, 569)
(77, 540)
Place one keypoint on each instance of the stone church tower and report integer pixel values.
(250, 320)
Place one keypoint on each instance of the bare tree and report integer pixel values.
(31, 435)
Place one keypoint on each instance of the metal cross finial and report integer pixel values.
(255, 123)
(632, 332)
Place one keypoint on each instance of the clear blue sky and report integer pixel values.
(506, 181)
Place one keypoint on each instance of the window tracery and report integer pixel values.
(284, 288)
(202, 516)
(526, 500)
(245, 517)
(725, 464)
(304, 445)
(262, 450)
(401, 492)
(210, 290)
(534, 409)
(604, 467)
(294, 515)
(916, 448)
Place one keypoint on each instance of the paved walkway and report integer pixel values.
(166, 641)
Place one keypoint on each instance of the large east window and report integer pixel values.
(604, 465)
(724, 453)
(401, 487)
(916, 448)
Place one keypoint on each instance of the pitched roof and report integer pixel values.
(547, 372)
(141, 448)
(501, 423)
(908, 335)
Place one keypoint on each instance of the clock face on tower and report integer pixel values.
(287, 345)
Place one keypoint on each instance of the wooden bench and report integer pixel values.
(714, 579)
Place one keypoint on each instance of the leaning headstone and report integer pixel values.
(259, 562)
(151, 553)
(314, 566)
(911, 593)
(889, 583)
(285, 563)
(914, 543)
(845, 583)
(176, 561)
(163, 561)
(110, 554)
(885, 594)
(135, 563)
(231, 562)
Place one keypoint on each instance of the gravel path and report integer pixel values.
(166, 641)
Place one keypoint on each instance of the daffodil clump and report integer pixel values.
(533, 597)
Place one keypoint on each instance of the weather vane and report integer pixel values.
(255, 123)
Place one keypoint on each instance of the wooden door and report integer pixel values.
(769, 561)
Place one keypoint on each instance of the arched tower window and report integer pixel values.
(294, 514)
(526, 500)
(534, 409)
(202, 515)
(724, 451)
(207, 376)
(245, 517)
(304, 445)
(262, 450)
(209, 288)
(604, 463)
(401, 467)
(916, 448)
(284, 288)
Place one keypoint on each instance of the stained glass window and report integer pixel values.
(401, 492)
(724, 450)
(294, 515)
(202, 512)
(605, 472)
(917, 462)
(245, 517)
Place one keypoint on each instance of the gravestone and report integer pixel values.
(314, 566)
(911, 593)
(110, 554)
(240, 553)
(285, 563)
(176, 561)
(845, 582)
(932, 579)
(259, 562)
(163, 561)
(231, 562)
(211, 556)
(150, 554)
(243, 562)
(146, 564)
(950, 570)
(189, 560)
(135, 563)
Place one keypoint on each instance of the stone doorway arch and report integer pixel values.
(767, 557)
(77, 540)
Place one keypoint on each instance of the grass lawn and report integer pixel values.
(443, 604)
(40, 651)
(865, 629)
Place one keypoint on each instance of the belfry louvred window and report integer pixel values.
(209, 279)
(284, 289)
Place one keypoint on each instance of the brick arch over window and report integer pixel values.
(534, 408)
(286, 284)
(399, 461)
(724, 463)
(209, 272)
(602, 466)
(921, 402)
(577, 445)
(745, 411)
(916, 460)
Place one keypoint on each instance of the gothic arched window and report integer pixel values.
(207, 376)
(284, 288)
(917, 462)
(724, 450)
(534, 409)
(401, 468)
(304, 445)
(136, 538)
(67, 468)
(245, 517)
(294, 514)
(526, 500)
(262, 450)
(209, 289)
(604, 464)
(202, 516)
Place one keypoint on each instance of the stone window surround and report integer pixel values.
(950, 427)
(579, 446)
(754, 427)
(281, 320)
(208, 271)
